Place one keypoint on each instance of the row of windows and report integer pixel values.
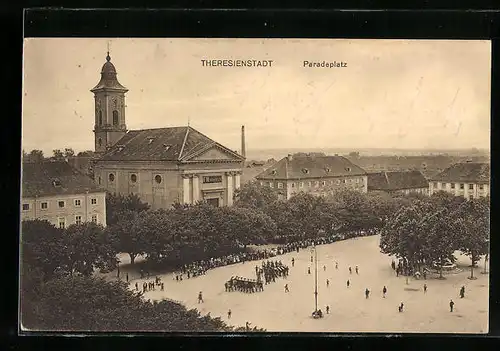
(60, 204)
(317, 183)
(115, 118)
(78, 220)
(158, 179)
(461, 185)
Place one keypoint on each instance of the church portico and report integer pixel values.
(204, 185)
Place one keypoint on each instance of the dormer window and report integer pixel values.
(120, 148)
(348, 169)
(167, 147)
(305, 170)
(56, 183)
(327, 170)
(273, 172)
(150, 140)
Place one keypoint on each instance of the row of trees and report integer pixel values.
(429, 231)
(60, 292)
(36, 155)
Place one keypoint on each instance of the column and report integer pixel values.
(196, 189)
(185, 189)
(237, 180)
(229, 181)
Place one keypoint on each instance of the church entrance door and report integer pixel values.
(213, 202)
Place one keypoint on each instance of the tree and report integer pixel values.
(86, 249)
(69, 152)
(57, 154)
(93, 304)
(252, 195)
(41, 247)
(473, 229)
(33, 156)
(119, 205)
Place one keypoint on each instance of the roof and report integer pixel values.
(397, 180)
(108, 78)
(307, 166)
(478, 172)
(162, 144)
(49, 178)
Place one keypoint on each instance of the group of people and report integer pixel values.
(243, 285)
(271, 270)
(151, 285)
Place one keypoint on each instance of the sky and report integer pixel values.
(400, 94)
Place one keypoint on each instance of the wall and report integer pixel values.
(53, 212)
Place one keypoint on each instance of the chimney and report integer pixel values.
(243, 151)
(290, 157)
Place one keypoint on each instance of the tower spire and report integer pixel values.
(108, 58)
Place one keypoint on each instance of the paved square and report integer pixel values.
(276, 310)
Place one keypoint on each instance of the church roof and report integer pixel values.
(162, 144)
(397, 180)
(108, 78)
(51, 178)
(311, 166)
(477, 172)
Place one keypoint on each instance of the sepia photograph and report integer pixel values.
(255, 185)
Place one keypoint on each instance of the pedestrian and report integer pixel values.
(425, 288)
(462, 292)
(336, 265)
(357, 270)
(401, 307)
(350, 270)
(451, 305)
(247, 326)
(324, 268)
(229, 314)
(327, 309)
(367, 293)
(393, 265)
(397, 271)
(293, 262)
(200, 297)
(348, 283)
(308, 270)
(286, 288)
(384, 291)
(162, 287)
(311, 258)
(425, 274)
(136, 286)
(327, 283)
(126, 277)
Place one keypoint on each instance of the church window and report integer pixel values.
(100, 118)
(158, 179)
(26, 207)
(115, 117)
(99, 180)
(111, 177)
(133, 178)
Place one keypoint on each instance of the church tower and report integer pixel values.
(109, 97)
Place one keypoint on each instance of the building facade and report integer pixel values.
(468, 179)
(317, 175)
(56, 192)
(402, 182)
(163, 166)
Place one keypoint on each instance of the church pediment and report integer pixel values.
(214, 153)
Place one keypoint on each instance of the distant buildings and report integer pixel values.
(469, 179)
(163, 165)
(318, 175)
(404, 182)
(56, 192)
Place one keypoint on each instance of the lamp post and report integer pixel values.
(486, 257)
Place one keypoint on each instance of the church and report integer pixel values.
(162, 166)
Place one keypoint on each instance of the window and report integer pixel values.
(327, 170)
(435, 184)
(462, 186)
(471, 186)
(343, 181)
(78, 219)
(481, 187)
(293, 185)
(453, 185)
(323, 183)
(100, 121)
(348, 169)
(94, 218)
(99, 180)
(26, 207)
(99, 142)
(212, 179)
(43, 205)
(316, 183)
(62, 223)
(111, 177)
(78, 203)
(261, 183)
(301, 184)
(305, 170)
(133, 178)
(115, 118)
(309, 184)
(338, 181)
(280, 185)
(273, 172)
(93, 201)
(271, 184)
(61, 204)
